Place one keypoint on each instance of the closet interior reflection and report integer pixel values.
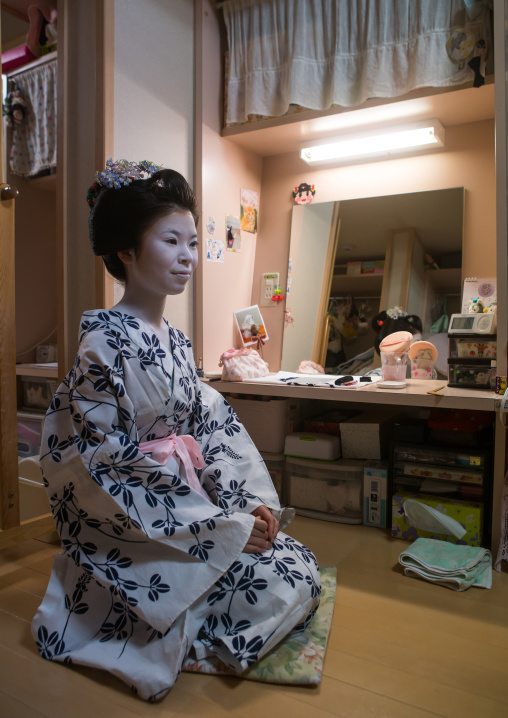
(349, 260)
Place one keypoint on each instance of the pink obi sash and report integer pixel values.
(186, 448)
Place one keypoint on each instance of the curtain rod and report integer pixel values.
(31, 65)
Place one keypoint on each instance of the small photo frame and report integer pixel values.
(251, 326)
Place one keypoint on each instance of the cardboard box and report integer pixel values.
(375, 491)
(467, 513)
(366, 436)
(266, 422)
(354, 268)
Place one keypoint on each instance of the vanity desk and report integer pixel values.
(414, 396)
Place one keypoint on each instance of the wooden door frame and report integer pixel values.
(102, 64)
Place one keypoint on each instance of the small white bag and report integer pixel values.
(240, 364)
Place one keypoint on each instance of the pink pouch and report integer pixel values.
(240, 364)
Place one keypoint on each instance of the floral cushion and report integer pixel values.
(296, 659)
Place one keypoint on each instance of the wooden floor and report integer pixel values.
(398, 647)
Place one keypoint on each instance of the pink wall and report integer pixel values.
(468, 161)
(222, 170)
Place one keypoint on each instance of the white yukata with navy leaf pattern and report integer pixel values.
(151, 569)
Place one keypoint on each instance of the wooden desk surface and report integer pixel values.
(415, 394)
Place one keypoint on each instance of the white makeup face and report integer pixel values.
(168, 256)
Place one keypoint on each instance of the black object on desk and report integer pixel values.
(344, 380)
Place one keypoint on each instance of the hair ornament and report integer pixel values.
(120, 173)
(396, 312)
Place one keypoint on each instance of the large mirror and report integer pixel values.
(350, 260)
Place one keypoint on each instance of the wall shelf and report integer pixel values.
(43, 370)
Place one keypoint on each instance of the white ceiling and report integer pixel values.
(436, 216)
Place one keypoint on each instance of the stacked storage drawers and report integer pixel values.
(453, 480)
(330, 490)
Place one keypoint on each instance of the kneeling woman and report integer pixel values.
(168, 518)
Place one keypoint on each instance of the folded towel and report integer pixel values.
(452, 565)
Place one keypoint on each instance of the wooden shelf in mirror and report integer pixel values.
(346, 285)
(44, 370)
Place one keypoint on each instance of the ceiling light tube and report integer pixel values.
(375, 143)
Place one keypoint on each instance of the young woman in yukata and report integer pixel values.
(168, 518)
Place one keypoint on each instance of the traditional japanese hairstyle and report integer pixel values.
(125, 200)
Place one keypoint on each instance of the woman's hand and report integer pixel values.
(273, 525)
(258, 540)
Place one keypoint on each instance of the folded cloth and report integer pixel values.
(455, 566)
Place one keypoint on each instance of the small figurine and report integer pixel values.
(476, 306)
(304, 193)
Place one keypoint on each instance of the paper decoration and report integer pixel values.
(214, 250)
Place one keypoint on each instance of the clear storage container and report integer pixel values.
(331, 491)
(38, 392)
(472, 373)
(29, 434)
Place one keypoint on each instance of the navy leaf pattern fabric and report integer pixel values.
(150, 569)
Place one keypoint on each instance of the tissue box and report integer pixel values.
(375, 482)
(312, 445)
(467, 513)
(366, 436)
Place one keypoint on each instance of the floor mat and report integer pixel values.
(296, 659)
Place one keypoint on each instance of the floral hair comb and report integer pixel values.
(120, 174)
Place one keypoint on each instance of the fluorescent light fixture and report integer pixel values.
(377, 143)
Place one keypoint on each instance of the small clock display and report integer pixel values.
(462, 322)
(473, 323)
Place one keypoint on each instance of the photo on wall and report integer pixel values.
(214, 250)
(251, 326)
(233, 234)
(249, 206)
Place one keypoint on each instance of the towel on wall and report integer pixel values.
(452, 565)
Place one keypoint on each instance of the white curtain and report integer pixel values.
(34, 139)
(319, 53)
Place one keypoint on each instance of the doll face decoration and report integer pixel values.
(304, 193)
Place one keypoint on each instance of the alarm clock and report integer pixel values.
(473, 323)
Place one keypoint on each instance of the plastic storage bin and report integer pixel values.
(38, 392)
(266, 422)
(29, 434)
(483, 349)
(327, 490)
(458, 457)
(472, 373)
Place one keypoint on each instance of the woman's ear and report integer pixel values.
(126, 256)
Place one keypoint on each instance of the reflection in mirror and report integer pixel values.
(351, 260)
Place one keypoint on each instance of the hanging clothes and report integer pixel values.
(34, 139)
